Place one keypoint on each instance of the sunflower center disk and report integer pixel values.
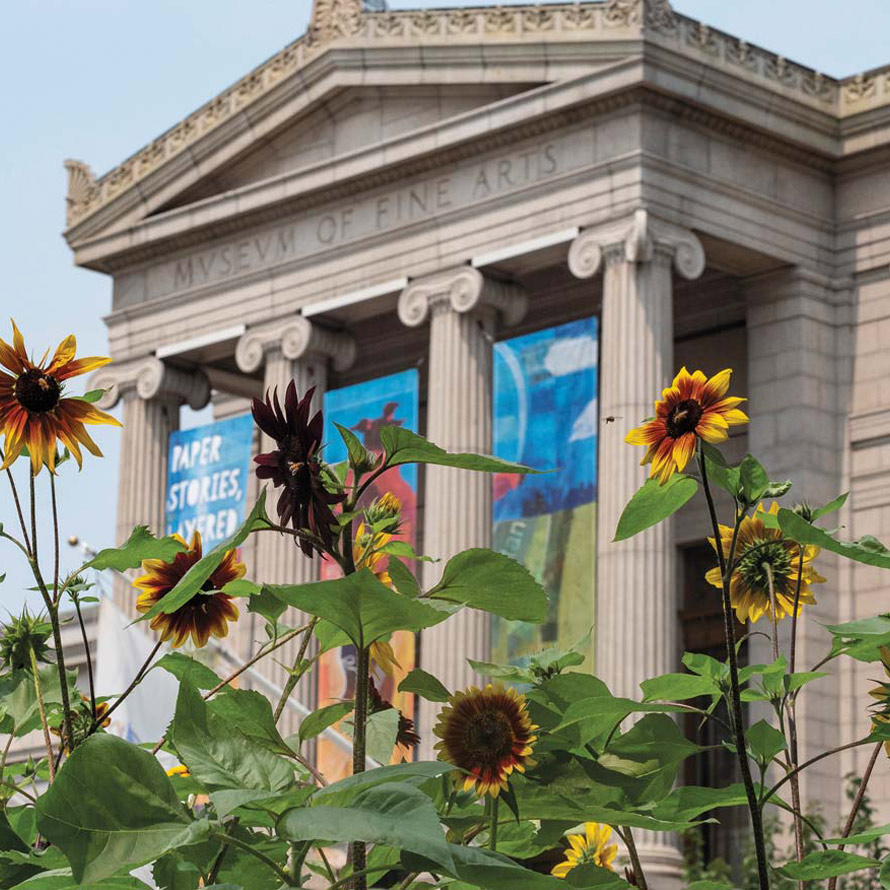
(489, 736)
(683, 418)
(37, 392)
(760, 556)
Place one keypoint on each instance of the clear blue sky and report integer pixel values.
(97, 79)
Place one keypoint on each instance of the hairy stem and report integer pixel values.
(52, 489)
(125, 694)
(793, 748)
(44, 725)
(860, 794)
(493, 836)
(735, 692)
(89, 657)
(628, 838)
(296, 674)
(358, 752)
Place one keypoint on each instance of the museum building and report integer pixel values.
(507, 228)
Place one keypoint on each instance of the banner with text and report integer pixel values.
(365, 408)
(207, 472)
(545, 416)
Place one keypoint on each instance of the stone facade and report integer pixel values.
(467, 169)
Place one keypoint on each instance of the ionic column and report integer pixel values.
(152, 393)
(636, 596)
(292, 348)
(463, 309)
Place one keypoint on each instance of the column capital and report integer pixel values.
(296, 337)
(151, 378)
(640, 238)
(463, 289)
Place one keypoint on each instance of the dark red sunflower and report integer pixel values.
(209, 612)
(33, 410)
(406, 737)
(294, 465)
(488, 734)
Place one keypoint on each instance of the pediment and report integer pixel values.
(355, 119)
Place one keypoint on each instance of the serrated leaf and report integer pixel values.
(867, 550)
(425, 685)
(826, 864)
(381, 730)
(141, 544)
(359, 457)
(678, 687)
(652, 503)
(765, 742)
(831, 506)
(403, 578)
(184, 667)
(318, 721)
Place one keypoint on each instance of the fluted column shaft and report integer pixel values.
(636, 588)
(291, 349)
(463, 309)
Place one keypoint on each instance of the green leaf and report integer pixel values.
(220, 755)
(425, 685)
(359, 458)
(653, 503)
(492, 582)
(395, 814)
(193, 580)
(342, 792)
(826, 864)
(678, 687)
(756, 484)
(174, 872)
(404, 447)
(709, 885)
(765, 742)
(831, 506)
(361, 606)
(267, 604)
(382, 729)
(403, 578)
(867, 550)
(884, 874)
(510, 672)
(865, 837)
(93, 395)
(184, 667)
(250, 713)
(113, 807)
(403, 550)
(318, 721)
(18, 698)
(719, 472)
(62, 879)
(142, 544)
(862, 639)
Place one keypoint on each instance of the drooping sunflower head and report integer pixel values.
(691, 408)
(486, 733)
(590, 848)
(763, 554)
(209, 612)
(385, 514)
(294, 465)
(34, 412)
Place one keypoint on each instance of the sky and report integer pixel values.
(97, 79)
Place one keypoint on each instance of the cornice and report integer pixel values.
(339, 23)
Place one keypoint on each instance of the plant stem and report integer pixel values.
(247, 848)
(295, 675)
(86, 647)
(773, 606)
(46, 739)
(134, 683)
(493, 835)
(860, 794)
(735, 693)
(358, 752)
(408, 881)
(223, 849)
(52, 490)
(18, 504)
(793, 749)
(628, 838)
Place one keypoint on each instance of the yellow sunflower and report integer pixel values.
(881, 693)
(487, 733)
(691, 408)
(759, 551)
(34, 414)
(178, 770)
(590, 848)
(204, 614)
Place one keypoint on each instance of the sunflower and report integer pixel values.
(33, 413)
(294, 466)
(206, 613)
(486, 733)
(406, 736)
(881, 693)
(178, 770)
(761, 550)
(590, 848)
(691, 408)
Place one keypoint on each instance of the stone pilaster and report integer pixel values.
(636, 599)
(288, 349)
(799, 372)
(463, 309)
(152, 394)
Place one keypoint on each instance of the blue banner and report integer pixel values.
(207, 472)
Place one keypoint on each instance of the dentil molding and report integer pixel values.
(150, 378)
(464, 289)
(637, 240)
(296, 337)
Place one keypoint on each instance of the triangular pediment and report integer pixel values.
(355, 119)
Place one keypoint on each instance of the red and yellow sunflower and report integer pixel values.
(33, 413)
(691, 408)
(209, 612)
(488, 734)
(762, 551)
